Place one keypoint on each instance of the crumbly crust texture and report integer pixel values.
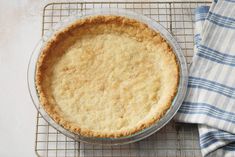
(106, 76)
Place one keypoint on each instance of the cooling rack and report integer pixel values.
(175, 139)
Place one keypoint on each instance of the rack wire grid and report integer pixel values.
(175, 139)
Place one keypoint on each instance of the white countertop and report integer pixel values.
(20, 29)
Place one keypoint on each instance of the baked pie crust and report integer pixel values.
(106, 76)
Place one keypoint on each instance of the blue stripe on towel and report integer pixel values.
(216, 56)
(195, 82)
(210, 138)
(207, 109)
(232, 1)
(222, 21)
(230, 147)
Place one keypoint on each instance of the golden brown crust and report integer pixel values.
(46, 58)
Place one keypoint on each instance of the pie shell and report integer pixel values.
(46, 54)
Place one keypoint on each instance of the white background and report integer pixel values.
(20, 30)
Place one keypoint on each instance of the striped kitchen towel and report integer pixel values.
(210, 100)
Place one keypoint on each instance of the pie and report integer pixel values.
(106, 76)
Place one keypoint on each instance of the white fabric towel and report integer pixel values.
(210, 100)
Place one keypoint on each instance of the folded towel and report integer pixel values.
(210, 100)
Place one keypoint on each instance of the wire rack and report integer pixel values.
(175, 139)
